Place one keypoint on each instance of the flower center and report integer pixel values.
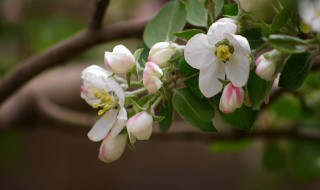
(223, 53)
(224, 50)
(107, 101)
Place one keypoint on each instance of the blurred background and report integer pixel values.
(39, 152)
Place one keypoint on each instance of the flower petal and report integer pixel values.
(120, 122)
(218, 29)
(316, 24)
(240, 43)
(208, 78)
(116, 88)
(101, 128)
(112, 148)
(198, 51)
(237, 69)
(122, 49)
(307, 10)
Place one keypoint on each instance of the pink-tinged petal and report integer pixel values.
(231, 99)
(102, 127)
(240, 43)
(218, 29)
(122, 49)
(139, 126)
(153, 69)
(112, 148)
(208, 78)
(120, 122)
(238, 69)
(116, 88)
(198, 51)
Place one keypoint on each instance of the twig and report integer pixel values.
(64, 51)
(99, 8)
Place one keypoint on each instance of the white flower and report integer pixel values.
(161, 53)
(112, 147)
(266, 68)
(309, 11)
(120, 60)
(231, 99)
(101, 91)
(217, 54)
(139, 126)
(151, 77)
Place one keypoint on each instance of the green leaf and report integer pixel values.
(281, 18)
(286, 107)
(196, 13)
(287, 44)
(273, 158)
(171, 18)
(198, 112)
(192, 83)
(137, 108)
(243, 118)
(168, 113)
(295, 71)
(218, 7)
(187, 34)
(157, 118)
(254, 36)
(258, 89)
(230, 9)
(137, 54)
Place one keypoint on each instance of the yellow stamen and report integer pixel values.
(101, 112)
(95, 105)
(96, 94)
(223, 53)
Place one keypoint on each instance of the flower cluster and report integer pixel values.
(107, 92)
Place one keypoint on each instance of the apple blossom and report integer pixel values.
(120, 60)
(265, 68)
(112, 147)
(151, 77)
(161, 53)
(217, 54)
(100, 90)
(139, 126)
(231, 99)
(309, 11)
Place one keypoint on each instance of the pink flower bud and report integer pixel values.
(151, 77)
(120, 60)
(112, 147)
(265, 68)
(139, 126)
(161, 53)
(231, 99)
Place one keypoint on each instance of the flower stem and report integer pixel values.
(156, 103)
(137, 92)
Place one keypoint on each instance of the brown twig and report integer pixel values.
(99, 8)
(64, 51)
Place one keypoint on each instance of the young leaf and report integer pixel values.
(230, 9)
(281, 18)
(171, 18)
(197, 112)
(196, 13)
(243, 118)
(287, 44)
(187, 34)
(295, 71)
(258, 89)
(218, 7)
(254, 37)
(168, 113)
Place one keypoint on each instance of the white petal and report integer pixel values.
(120, 122)
(121, 49)
(307, 10)
(198, 51)
(237, 69)
(240, 43)
(112, 148)
(218, 29)
(316, 24)
(144, 134)
(116, 88)
(208, 78)
(101, 128)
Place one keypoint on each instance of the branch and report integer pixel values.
(95, 21)
(64, 51)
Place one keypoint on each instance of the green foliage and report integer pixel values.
(187, 34)
(218, 7)
(192, 83)
(171, 18)
(282, 18)
(258, 89)
(286, 107)
(196, 13)
(254, 37)
(167, 112)
(243, 118)
(229, 146)
(230, 9)
(274, 158)
(295, 71)
(287, 44)
(198, 112)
